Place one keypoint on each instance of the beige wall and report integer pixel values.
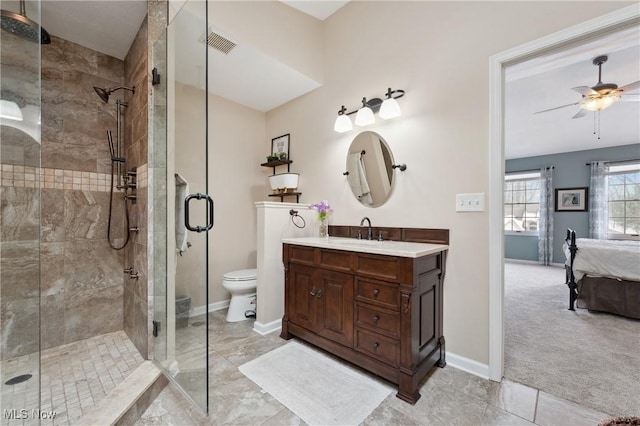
(269, 26)
(236, 148)
(438, 52)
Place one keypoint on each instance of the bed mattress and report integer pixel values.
(606, 258)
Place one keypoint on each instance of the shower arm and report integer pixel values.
(131, 89)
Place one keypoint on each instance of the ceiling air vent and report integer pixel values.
(220, 43)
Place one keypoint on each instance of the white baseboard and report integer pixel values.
(268, 328)
(470, 366)
(526, 262)
(530, 262)
(200, 310)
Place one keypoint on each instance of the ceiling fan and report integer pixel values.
(600, 96)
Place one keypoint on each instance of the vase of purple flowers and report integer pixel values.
(323, 208)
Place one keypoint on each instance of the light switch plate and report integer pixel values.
(470, 202)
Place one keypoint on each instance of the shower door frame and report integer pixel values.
(164, 115)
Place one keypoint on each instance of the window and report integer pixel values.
(522, 203)
(624, 200)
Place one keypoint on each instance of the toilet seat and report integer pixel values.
(241, 275)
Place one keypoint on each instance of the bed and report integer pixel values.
(603, 275)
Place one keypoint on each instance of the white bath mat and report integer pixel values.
(318, 389)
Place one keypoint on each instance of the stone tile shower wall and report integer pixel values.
(80, 276)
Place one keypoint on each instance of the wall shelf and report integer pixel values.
(275, 164)
(287, 194)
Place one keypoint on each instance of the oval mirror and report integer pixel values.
(370, 174)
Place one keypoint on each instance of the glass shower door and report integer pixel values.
(180, 138)
(20, 224)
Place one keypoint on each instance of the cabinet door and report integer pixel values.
(335, 319)
(301, 302)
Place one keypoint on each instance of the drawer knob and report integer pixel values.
(376, 292)
(375, 318)
(313, 292)
(375, 345)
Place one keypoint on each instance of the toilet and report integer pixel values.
(242, 286)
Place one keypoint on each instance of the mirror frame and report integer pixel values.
(369, 166)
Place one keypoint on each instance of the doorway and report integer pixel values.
(622, 18)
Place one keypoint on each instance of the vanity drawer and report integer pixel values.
(378, 292)
(378, 319)
(336, 260)
(386, 268)
(378, 346)
(302, 255)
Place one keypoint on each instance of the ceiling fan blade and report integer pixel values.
(580, 113)
(584, 90)
(630, 87)
(551, 109)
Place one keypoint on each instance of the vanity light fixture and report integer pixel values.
(365, 114)
(390, 108)
(343, 123)
(364, 117)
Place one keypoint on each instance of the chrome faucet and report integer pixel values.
(370, 235)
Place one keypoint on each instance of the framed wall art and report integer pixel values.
(280, 146)
(572, 199)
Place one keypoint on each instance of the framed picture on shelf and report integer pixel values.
(572, 199)
(280, 147)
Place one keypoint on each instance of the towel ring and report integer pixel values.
(294, 214)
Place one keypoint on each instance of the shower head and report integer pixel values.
(104, 93)
(23, 27)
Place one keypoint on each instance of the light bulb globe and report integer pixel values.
(389, 109)
(364, 117)
(342, 124)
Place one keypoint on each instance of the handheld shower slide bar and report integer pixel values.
(117, 164)
(112, 150)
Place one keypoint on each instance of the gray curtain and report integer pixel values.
(545, 224)
(598, 200)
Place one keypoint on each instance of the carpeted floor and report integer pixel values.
(587, 357)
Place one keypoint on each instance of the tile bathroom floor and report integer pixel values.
(74, 378)
(449, 396)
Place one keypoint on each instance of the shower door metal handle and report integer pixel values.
(209, 224)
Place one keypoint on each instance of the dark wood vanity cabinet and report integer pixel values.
(381, 313)
(322, 302)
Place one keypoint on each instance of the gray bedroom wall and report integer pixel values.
(570, 172)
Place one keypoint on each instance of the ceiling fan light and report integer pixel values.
(10, 110)
(389, 109)
(598, 104)
(342, 124)
(364, 117)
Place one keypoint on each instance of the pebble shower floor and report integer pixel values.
(74, 378)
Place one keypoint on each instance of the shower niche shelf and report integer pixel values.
(274, 164)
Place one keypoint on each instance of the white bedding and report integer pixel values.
(606, 258)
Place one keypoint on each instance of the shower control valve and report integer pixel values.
(128, 270)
